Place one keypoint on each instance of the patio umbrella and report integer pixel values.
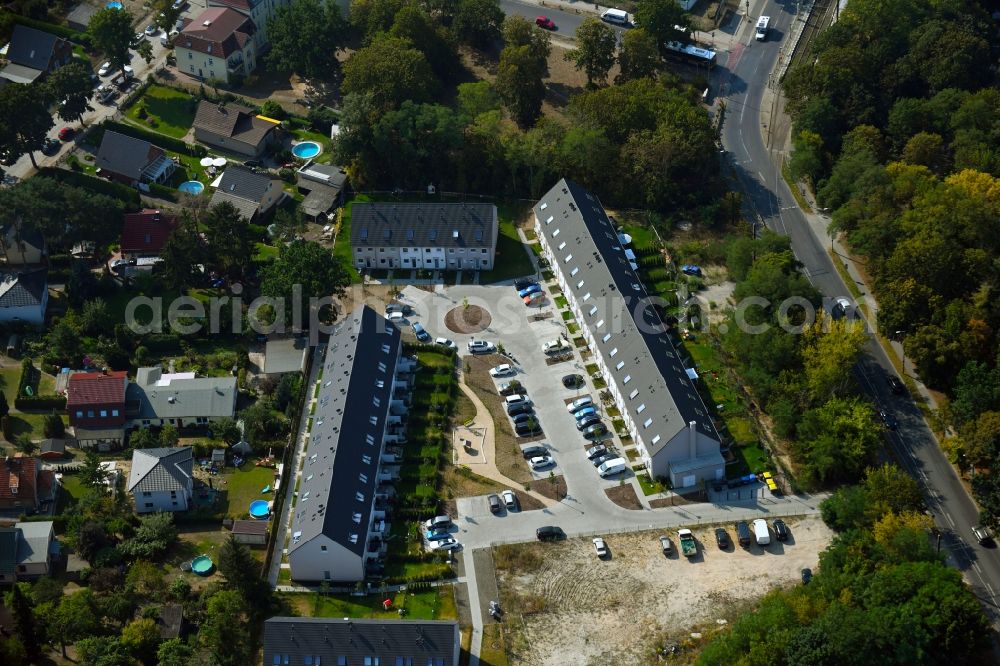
(206, 161)
(219, 162)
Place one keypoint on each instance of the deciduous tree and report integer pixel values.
(478, 22)
(111, 31)
(305, 37)
(638, 56)
(659, 18)
(71, 88)
(305, 271)
(519, 84)
(595, 51)
(392, 71)
(24, 120)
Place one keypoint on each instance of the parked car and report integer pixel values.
(445, 342)
(509, 388)
(528, 429)
(438, 522)
(421, 334)
(510, 500)
(494, 501)
(666, 545)
(541, 462)
(722, 538)
(603, 458)
(595, 431)
(780, 530)
(520, 408)
(502, 370)
(691, 269)
(549, 533)
(587, 422)
(579, 404)
(524, 418)
(533, 451)
(523, 283)
(105, 69)
(516, 399)
(178, 4)
(481, 347)
(529, 290)
(600, 547)
(137, 39)
(895, 385)
(392, 308)
(436, 535)
(743, 534)
(553, 346)
(596, 451)
(446, 544)
(66, 133)
(585, 412)
(888, 419)
(983, 535)
(572, 381)
(151, 30)
(545, 22)
(50, 147)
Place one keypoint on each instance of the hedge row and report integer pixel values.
(40, 402)
(163, 343)
(60, 30)
(88, 182)
(161, 140)
(30, 376)
(163, 192)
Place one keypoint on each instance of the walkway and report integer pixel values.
(284, 520)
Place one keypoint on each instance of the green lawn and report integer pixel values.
(9, 377)
(342, 244)
(264, 252)
(650, 487)
(172, 110)
(434, 604)
(643, 238)
(243, 486)
(318, 137)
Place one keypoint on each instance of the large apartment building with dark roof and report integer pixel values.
(664, 414)
(433, 236)
(338, 522)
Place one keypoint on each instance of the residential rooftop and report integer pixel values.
(389, 224)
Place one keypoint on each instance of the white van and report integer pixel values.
(760, 532)
(762, 24)
(396, 317)
(611, 467)
(616, 16)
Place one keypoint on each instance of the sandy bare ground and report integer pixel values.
(567, 608)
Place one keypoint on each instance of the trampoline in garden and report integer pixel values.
(192, 187)
(202, 565)
(259, 509)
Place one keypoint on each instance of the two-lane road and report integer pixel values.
(743, 83)
(566, 21)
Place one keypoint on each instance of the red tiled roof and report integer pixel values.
(96, 388)
(147, 231)
(217, 31)
(20, 472)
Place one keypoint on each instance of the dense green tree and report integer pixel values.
(25, 444)
(4, 407)
(478, 22)
(519, 84)
(229, 237)
(306, 271)
(638, 56)
(477, 98)
(519, 31)
(24, 120)
(659, 18)
(837, 440)
(305, 36)
(174, 652)
(141, 638)
(258, 422)
(104, 651)
(167, 14)
(374, 17)
(111, 32)
(595, 51)
(154, 535)
(181, 255)
(415, 25)
(418, 144)
(12, 652)
(91, 473)
(392, 71)
(224, 631)
(227, 430)
(71, 88)
(75, 617)
(18, 600)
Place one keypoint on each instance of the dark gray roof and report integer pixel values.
(626, 329)
(23, 289)
(325, 174)
(170, 621)
(181, 395)
(52, 446)
(434, 642)
(160, 469)
(243, 183)
(340, 474)
(31, 48)
(125, 155)
(423, 224)
(233, 121)
(8, 550)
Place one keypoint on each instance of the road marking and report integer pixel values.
(950, 520)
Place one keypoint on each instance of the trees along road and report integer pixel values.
(566, 22)
(744, 78)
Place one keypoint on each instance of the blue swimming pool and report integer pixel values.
(192, 187)
(114, 4)
(307, 149)
(259, 509)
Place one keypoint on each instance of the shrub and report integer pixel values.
(163, 192)
(40, 402)
(272, 109)
(322, 118)
(94, 184)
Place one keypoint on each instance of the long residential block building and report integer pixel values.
(664, 414)
(338, 522)
(433, 236)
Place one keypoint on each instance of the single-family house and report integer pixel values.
(24, 296)
(251, 532)
(22, 246)
(19, 483)
(659, 403)
(95, 402)
(32, 54)
(79, 16)
(162, 479)
(258, 11)
(252, 194)
(234, 128)
(126, 159)
(339, 524)
(217, 44)
(179, 399)
(434, 236)
(323, 185)
(360, 642)
(27, 550)
(144, 234)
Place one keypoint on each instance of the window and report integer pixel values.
(607, 336)
(326, 575)
(104, 413)
(627, 379)
(341, 661)
(149, 505)
(647, 423)
(323, 548)
(79, 414)
(569, 257)
(190, 57)
(620, 365)
(574, 271)
(399, 661)
(484, 250)
(613, 352)
(633, 394)
(147, 494)
(640, 409)
(114, 412)
(90, 413)
(555, 233)
(600, 323)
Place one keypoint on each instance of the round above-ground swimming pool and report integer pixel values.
(191, 187)
(114, 4)
(259, 509)
(202, 565)
(306, 149)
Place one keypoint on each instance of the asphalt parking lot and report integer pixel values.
(522, 339)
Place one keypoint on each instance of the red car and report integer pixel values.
(66, 133)
(545, 22)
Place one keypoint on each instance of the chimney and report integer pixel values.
(693, 439)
